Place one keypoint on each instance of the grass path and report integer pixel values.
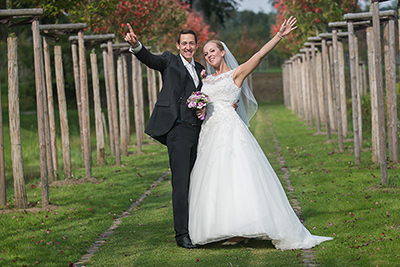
(336, 197)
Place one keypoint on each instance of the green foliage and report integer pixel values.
(246, 32)
(312, 16)
(52, 8)
(216, 12)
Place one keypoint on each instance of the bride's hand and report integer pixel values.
(287, 26)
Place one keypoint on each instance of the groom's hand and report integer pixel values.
(201, 113)
(235, 105)
(131, 37)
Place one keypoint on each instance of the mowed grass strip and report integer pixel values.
(339, 198)
(79, 212)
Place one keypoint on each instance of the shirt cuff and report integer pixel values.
(136, 49)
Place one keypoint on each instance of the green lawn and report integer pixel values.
(337, 199)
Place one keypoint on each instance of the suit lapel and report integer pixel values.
(198, 70)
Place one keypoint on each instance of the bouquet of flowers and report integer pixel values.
(197, 100)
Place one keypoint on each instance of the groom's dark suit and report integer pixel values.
(175, 125)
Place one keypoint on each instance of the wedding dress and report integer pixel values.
(234, 191)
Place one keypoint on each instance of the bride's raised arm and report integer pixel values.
(246, 68)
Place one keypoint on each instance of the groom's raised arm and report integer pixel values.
(131, 38)
(152, 61)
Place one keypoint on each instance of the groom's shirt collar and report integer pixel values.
(186, 63)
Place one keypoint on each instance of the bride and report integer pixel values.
(234, 192)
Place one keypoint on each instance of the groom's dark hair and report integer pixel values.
(186, 31)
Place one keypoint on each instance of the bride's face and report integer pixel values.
(213, 54)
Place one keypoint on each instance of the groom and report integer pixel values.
(172, 123)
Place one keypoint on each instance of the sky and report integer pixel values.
(255, 5)
(265, 5)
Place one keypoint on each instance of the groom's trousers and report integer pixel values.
(182, 142)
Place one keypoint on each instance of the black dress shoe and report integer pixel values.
(185, 242)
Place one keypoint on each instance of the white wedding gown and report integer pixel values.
(234, 191)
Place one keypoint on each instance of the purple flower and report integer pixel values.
(197, 100)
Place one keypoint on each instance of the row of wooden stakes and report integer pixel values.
(117, 96)
(315, 88)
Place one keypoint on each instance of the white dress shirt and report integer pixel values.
(191, 67)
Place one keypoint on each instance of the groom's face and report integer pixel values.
(187, 46)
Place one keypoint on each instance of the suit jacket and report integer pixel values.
(177, 87)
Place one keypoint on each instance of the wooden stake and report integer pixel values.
(97, 111)
(109, 110)
(104, 124)
(314, 86)
(320, 86)
(40, 111)
(62, 105)
(391, 94)
(75, 63)
(326, 77)
(137, 102)
(126, 91)
(3, 195)
(379, 93)
(342, 85)
(310, 86)
(374, 102)
(122, 111)
(359, 102)
(85, 105)
(50, 106)
(337, 88)
(141, 100)
(354, 92)
(113, 102)
(331, 89)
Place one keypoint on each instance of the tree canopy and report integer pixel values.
(312, 16)
(214, 11)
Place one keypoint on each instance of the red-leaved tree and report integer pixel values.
(156, 22)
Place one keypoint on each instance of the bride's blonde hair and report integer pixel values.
(217, 42)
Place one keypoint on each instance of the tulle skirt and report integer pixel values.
(234, 191)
